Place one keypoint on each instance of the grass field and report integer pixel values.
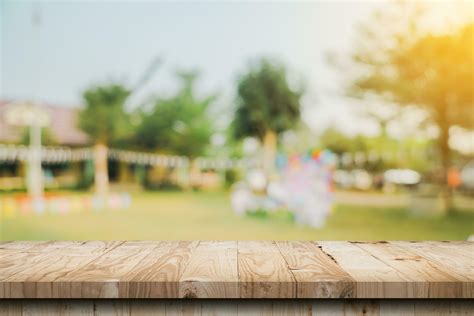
(188, 215)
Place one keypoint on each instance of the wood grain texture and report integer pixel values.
(211, 271)
(361, 307)
(283, 307)
(327, 308)
(102, 277)
(459, 262)
(374, 278)
(38, 277)
(316, 274)
(428, 278)
(397, 307)
(263, 272)
(231, 269)
(159, 273)
(63, 308)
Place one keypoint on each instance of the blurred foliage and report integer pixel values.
(408, 66)
(103, 116)
(180, 124)
(339, 143)
(231, 176)
(265, 103)
(390, 152)
(87, 175)
(432, 71)
(47, 137)
(298, 140)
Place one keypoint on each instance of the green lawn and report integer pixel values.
(187, 215)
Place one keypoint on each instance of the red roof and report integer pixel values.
(63, 126)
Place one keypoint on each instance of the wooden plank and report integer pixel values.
(246, 269)
(21, 257)
(291, 308)
(13, 256)
(19, 245)
(375, 279)
(462, 249)
(256, 247)
(57, 307)
(432, 308)
(59, 258)
(112, 307)
(10, 308)
(159, 273)
(254, 307)
(461, 307)
(148, 307)
(327, 307)
(211, 271)
(317, 275)
(183, 307)
(429, 280)
(219, 307)
(38, 280)
(263, 272)
(459, 259)
(17, 256)
(361, 307)
(101, 278)
(397, 307)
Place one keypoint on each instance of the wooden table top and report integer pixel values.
(236, 269)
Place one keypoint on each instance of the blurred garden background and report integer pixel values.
(320, 120)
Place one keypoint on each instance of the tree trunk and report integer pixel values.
(445, 152)
(269, 151)
(194, 175)
(35, 172)
(101, 177)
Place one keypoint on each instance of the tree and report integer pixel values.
(338, 142)
(104, 119)
(266, 106)
(180, 124)
(431, 71)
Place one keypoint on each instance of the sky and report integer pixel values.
(73, 45)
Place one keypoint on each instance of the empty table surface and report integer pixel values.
(236, 269)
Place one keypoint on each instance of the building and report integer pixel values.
(63, 127)
(62, 131)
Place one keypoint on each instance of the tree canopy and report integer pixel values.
(433, 71)
(103, 116)
(265, 102)
(180, 124)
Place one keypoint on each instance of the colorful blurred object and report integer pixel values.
(303, 185)
(11, 207)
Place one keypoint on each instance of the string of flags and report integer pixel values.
(11, 153)
(21, 205)
(148, 158)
